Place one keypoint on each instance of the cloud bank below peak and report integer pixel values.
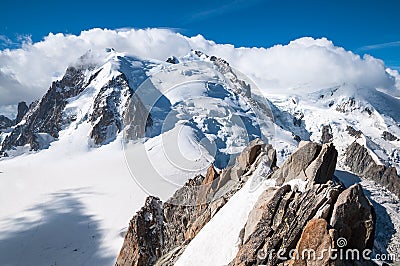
(303, 64)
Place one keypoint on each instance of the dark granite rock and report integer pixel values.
(5, 122)
(144, 239)
(46, 115)
(353, 218)
(389, 136)
(362, 163)
(353, 132)
(172, 60)
(327, 135)
(22, 110)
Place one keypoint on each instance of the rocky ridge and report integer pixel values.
(361, 163)
(282, 219)
(114, 102)
(6, 122)
(192, 206)
(46, 115)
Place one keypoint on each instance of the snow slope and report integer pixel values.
(62, 206)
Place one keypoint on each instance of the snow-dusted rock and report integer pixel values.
(362, 163)
(143, 240)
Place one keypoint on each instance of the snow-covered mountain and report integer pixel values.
(116, 128)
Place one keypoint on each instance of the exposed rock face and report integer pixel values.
(327, 135)
(109, 109)
(281, 222)
(361, 163)
(297, 162)
(22, 110)
(180, 223)
(353, 218)
(347, 105)
(351, 104)
(246, 159)
(353, 132)
(322, 168)
(283, 219)
(312, 161)
(144, 239)
(292, 221)
(315, 237)
(297, 118)
(46, 116)
(389, 136)
(173, 60)
(5, 122)
(240, 86)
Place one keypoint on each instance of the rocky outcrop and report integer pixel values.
(321, 170)
(354, 133)
(46, 116)
(114, 104)
(311, 162)
(297, 162)
(361, 162)
(193, 205)
(286, 224)
(350, 104)
(353, 218)
(327, 135)
(248, 157)
(144, 239)
(172, 60)
(239, 85)
(5, 122)
(316, 236)
(183, 216)
(109, 110)
(284, 219)
(389, 136)
(21, 111)
(298, 118)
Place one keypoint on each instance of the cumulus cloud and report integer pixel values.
(26, 73)
(306, 63)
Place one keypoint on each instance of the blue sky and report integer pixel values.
(363, 26)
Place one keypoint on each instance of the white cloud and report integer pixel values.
(26, 73)
(5, 41)
(380, 46)
(229, 7)
(305, 64)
